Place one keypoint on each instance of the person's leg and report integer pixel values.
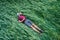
(37, 28)
(33, 26)
(29, 23)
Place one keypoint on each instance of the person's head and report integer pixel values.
(19, 14)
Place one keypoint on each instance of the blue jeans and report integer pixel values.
(28, 22)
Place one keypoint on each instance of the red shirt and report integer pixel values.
(21, 17)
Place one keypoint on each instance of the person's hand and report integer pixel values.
(20, 21)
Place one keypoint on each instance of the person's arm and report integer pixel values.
(22, 20)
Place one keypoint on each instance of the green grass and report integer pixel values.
(44, 13)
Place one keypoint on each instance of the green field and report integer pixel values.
(44, 13)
